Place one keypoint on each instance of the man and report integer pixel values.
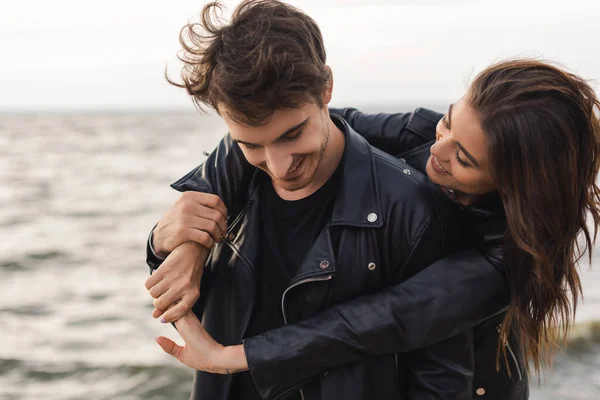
(325, 218)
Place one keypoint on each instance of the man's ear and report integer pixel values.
(328, 92)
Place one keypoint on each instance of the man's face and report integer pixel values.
(289, 146)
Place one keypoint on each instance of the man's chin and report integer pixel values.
(291, 186)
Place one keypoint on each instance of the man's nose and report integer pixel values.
(278, 162)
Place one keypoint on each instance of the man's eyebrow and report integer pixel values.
(283, 135)
(292, 129)
(469, 156)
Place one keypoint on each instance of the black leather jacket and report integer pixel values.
(388, 223)
(347, 346)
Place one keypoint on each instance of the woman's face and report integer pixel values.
(459, 158)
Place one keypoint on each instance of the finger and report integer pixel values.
(190, 328)
(175, 313)
(215, 215)
(170, 347)
(212, 201)
(199, 203)
(157, 313)
(159, 289)
(167, 299)
(190, 318)
(202, 238)
(156, 277)
(210, 226)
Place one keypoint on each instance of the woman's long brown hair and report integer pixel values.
(543, 134)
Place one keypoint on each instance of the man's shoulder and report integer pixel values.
(397, 179)
(408, 195)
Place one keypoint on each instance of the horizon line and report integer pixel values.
(382, 107)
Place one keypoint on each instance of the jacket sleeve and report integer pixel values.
(152, 259)
(225, 173)
(393, 133)
(449, 297)
(445, 369)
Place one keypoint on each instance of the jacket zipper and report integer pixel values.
(514, 360)
(301, 282)
(229, 243)
(237, 252)
(512, 355)
(236, 220)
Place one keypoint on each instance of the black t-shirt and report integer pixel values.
(288, 231)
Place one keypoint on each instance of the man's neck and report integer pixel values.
(332, 157)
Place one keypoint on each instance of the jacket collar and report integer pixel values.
(357, 200)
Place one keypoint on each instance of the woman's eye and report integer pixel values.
(460, 161)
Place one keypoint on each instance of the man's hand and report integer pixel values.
(175, 286)
(195, 217)
(201, 352)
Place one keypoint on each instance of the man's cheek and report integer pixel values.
(253, 159)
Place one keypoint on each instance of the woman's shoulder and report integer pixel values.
(484, 227)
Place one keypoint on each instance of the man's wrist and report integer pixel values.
(156, 253)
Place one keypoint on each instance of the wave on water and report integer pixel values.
(22, 379)
(25, 379)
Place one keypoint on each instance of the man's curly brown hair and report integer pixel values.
(270, 56)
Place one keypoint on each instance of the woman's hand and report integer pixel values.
(175, 286)
(201, 351)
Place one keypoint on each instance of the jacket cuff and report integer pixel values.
(152, 259)
(270, 376)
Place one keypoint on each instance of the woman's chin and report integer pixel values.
(432, 174)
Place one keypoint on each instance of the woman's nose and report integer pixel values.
(441, 133)
(442, 144)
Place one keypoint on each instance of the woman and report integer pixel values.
(520, 153)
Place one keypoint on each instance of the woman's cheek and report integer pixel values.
(462, 178)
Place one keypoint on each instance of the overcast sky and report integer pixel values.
(111, 54)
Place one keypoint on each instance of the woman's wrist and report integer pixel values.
(233, 359)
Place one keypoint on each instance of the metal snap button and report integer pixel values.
(372, 266)
(372, 217)
(480, 391)
(324, 264)
(406, 171)
(402, 159)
